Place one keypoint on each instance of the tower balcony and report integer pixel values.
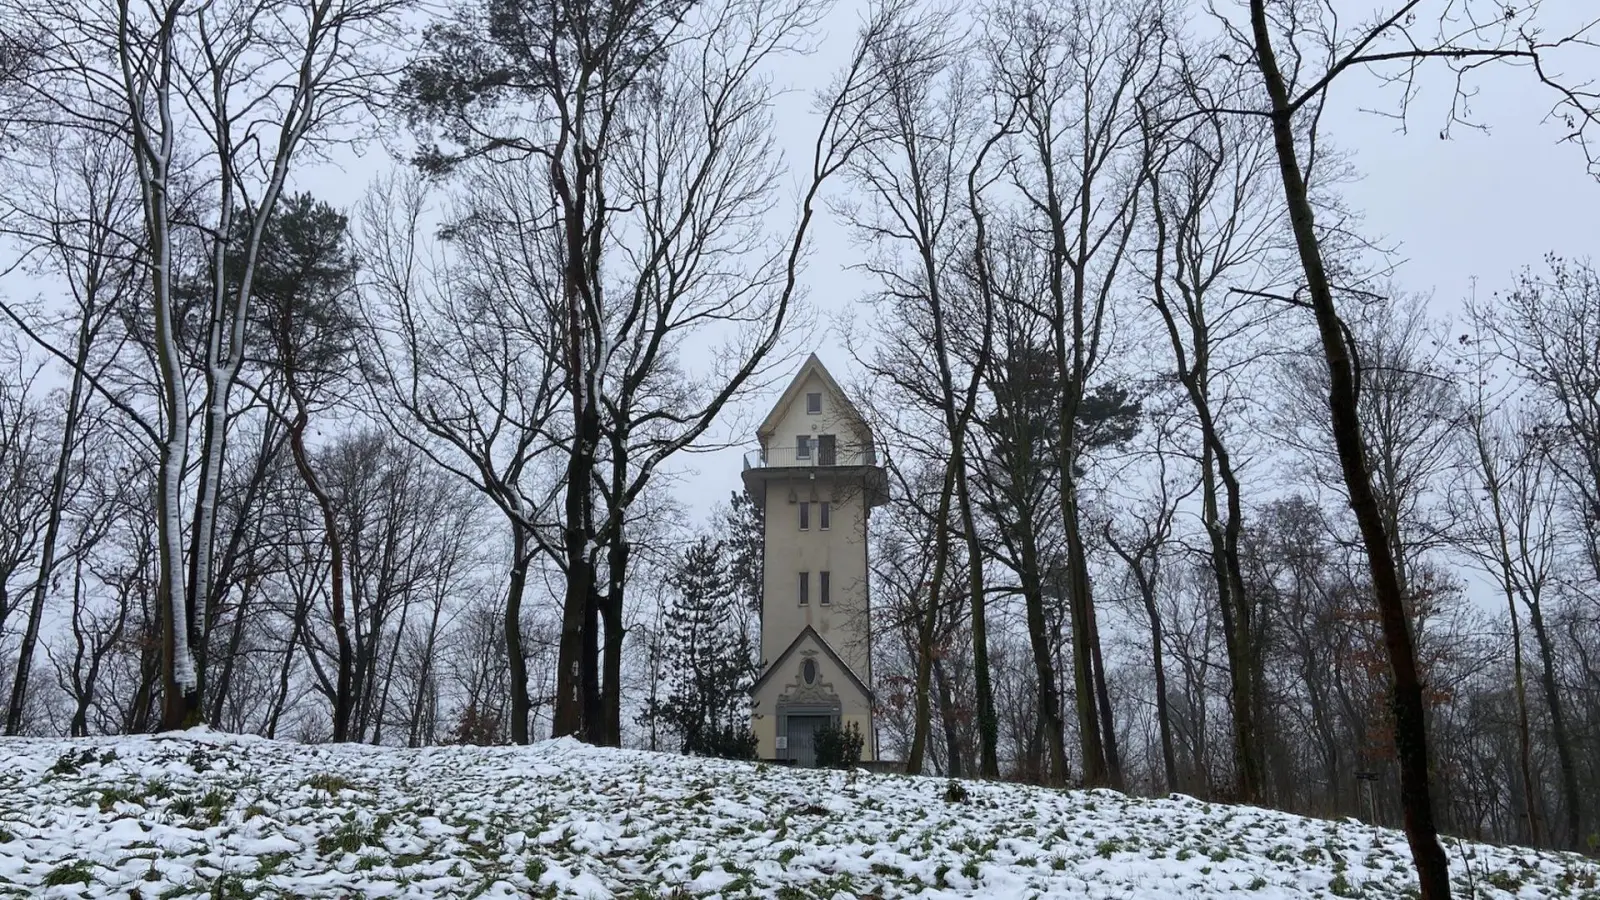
(797, 464)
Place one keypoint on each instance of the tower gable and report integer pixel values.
(814, 377)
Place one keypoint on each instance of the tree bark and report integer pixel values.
(988, 721)
(1039, 639)
(614, 634)
(1560, 733)
(927, 624)
(1096, 771)
(1410, 711)
(947, 717)
(52, 532)
(516, 657)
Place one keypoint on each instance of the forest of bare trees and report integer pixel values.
(1190, 491)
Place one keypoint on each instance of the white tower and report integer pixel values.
(816, 478)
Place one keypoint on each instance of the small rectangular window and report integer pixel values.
(805, 516)
(822, 589)
(805, 588)
(813, 404)
(802, 447)
(822, 521)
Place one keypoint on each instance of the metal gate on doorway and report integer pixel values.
(801, 731)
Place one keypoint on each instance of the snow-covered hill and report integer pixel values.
(210, 815)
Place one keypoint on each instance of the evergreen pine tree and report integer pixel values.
(707, 668)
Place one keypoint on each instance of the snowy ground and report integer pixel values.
(209, 815)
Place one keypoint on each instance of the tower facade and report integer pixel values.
(816, 478)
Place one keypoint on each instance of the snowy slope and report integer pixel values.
(204, 814)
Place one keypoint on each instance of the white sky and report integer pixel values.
(1480, 205)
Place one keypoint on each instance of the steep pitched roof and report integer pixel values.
(827, 649)
(791, 394)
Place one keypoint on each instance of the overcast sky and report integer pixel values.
(1477, 206)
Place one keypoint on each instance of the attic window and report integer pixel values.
(814, 404)
(808, 671)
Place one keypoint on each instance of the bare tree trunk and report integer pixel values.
(947, 717)
(280, 698)
(1560, 733)
(1410, 712)
(425, 679)
(613, 636)
(1039, 639)
(928, 623)
(52, 532)
(224, 681)
(1096, 771)
(516, 656)
(1530, 790)
(1169, 758)
(988, 722)
(344, 690)
(1103, 698)
(1145, 575)
(1234, 605)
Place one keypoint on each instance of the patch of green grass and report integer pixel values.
(69, 873)
(970, 870)
(229, 887)
(348, 838)
(1340, 886)
(111, 796)
(1505, 881)
(72, 763)
(331, 784)
(198, 759)
(1257, 883)
(267, 864)
(534, 869)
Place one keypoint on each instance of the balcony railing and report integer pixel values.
(815, 455)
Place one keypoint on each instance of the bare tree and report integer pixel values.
(916, 215)
(1072, 76)
(241, 90)
(69, 212)
(1543, 332)
(664, 105)
(1215, 231)
(1142, 539)
(1298, 50)
(466, 343)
